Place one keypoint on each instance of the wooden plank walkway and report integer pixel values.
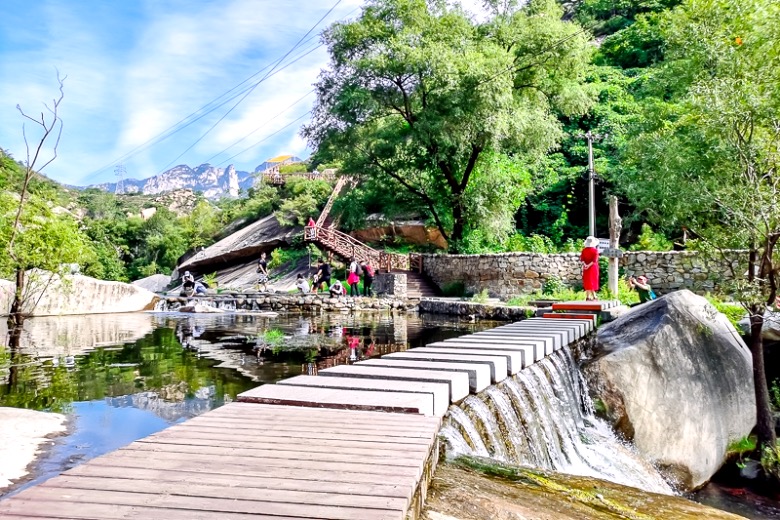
(356, 442)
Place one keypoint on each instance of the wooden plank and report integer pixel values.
(314, 436)
(350, 446)
(122, 455)
(340, 398)
(374, 457)
(216, 505)
(245, 481)
(218, 467)
(565, 315)
(387, 419)
(313, 426)
(237, 491)
(281, 412)
(68, 509)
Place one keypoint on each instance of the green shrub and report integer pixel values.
(552, 285)
(454, 289)
(649, 240)
(481, 297)
(733, 311)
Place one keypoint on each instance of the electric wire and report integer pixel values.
(279, 62)
(205, 109)
(308, 112)
(288, 107)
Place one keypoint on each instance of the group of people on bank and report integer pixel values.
(589, 259)
(322, 280)
(361, 271)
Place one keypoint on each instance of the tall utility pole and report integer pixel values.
(120, 172)
(590, 136)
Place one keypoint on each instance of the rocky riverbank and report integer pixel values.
(471, 489)
(23, 435)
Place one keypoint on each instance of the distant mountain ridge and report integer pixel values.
(212, 181)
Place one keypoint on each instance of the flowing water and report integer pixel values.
(544, 418)
(125, 376)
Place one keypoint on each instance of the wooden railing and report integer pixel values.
(277, 178)
(335, 193)
(349, 247)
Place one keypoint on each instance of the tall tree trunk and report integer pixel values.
(765, 424)
(16, 315)
(458, 227)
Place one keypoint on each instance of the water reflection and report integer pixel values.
(121, 377)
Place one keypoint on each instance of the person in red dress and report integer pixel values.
(590, 268)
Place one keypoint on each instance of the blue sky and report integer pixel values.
(136, 67)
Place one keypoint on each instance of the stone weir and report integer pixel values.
(355, 442)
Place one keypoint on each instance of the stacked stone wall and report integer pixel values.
(508, 274)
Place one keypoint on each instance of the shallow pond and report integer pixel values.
(122, 377)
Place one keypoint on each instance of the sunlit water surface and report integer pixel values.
(122, 377)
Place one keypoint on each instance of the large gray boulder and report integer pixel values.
(675, 378)
(50, 294)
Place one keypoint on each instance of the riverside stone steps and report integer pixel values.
(355, 442)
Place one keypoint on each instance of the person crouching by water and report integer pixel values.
(189, 286)
(262, 273)
(642, 287)
(302, 284)
(336, 289)
(590, 268)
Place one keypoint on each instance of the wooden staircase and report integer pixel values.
(348, 247)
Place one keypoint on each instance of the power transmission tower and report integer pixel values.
(120, 173)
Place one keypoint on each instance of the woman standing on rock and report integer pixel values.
(590, 268)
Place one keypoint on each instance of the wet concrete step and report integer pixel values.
(568, 334)
(539, 346)
(497, 364)
(478, 373)
(458, 381)
(439, 392)
(595, 306)
(526, 353)
(574, 331)
(557, 338)
(514, 360)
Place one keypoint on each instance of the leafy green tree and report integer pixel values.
(419, 95)
(707, 155)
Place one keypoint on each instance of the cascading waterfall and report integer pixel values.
(543, 417)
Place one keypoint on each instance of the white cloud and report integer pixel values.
(134, 69)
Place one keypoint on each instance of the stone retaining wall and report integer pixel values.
(475, 311)
(390, 284)
(507, 274)
(286, 302)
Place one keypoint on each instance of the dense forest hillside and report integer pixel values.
(116, 237)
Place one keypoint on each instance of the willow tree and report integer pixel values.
(707, 155)
(420, 96)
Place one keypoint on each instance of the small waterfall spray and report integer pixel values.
(543, 417)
